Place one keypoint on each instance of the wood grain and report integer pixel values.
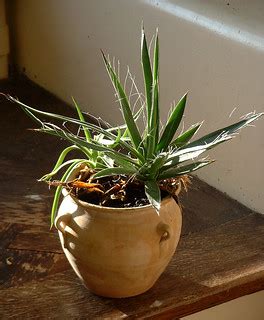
(220, 255)
(36, 238)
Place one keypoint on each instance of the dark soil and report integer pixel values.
(120, 191)
(116, 191)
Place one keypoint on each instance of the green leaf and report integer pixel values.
(153, 130)
(72, 138)
(179, 171)
(124, 126)
(78, 122)
(91, 145)
(152, 191)
(127, 113)
(123, 162)
(48, 176)
(156, 166)
(147, 73)
(152, 136)
(192, 150)
(183, 155)
(26, 110)
(186, 136)
(172, 124)
(59, 162)
(113, 171)
(108, 162)
(57, 194)
(155, 119)
(136, 117)
(55, 205)
(156, 58)
(81, 117)
(224, 134)
(108, 142)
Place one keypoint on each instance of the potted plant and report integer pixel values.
(120, 219)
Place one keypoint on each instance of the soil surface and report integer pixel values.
(116, 192)
(119, 191)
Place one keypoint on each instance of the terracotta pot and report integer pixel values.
(118, 252)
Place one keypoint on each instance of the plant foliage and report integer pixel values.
(150, 156)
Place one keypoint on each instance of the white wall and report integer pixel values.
(214, 49)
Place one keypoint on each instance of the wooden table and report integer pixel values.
(220, 255)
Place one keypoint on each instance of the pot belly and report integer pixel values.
(120, 255)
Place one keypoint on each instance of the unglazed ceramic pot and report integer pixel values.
(118, 252)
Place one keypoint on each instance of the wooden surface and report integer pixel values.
(220, 255)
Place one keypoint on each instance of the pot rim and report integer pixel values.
(113, 210)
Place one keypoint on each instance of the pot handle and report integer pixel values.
(61, 223)
(164, 231)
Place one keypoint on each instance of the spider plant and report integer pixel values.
(152, 156)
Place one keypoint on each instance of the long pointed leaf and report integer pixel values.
(221, 134)
(107, 142)
(185, 137)
(82, 143)
(152, 136)
(81, 117)
(192, 150)
(175, 172)
(136, 117)
(147, 72)
(78, 122)
(172, 124)
(152, 191)
(183, 155)
(154, 123)
(156, 165)
(153, 129)
(59, 162)
(48, 176)
(123, 162)
(127, 113)
(57, 194)
(190, 153)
